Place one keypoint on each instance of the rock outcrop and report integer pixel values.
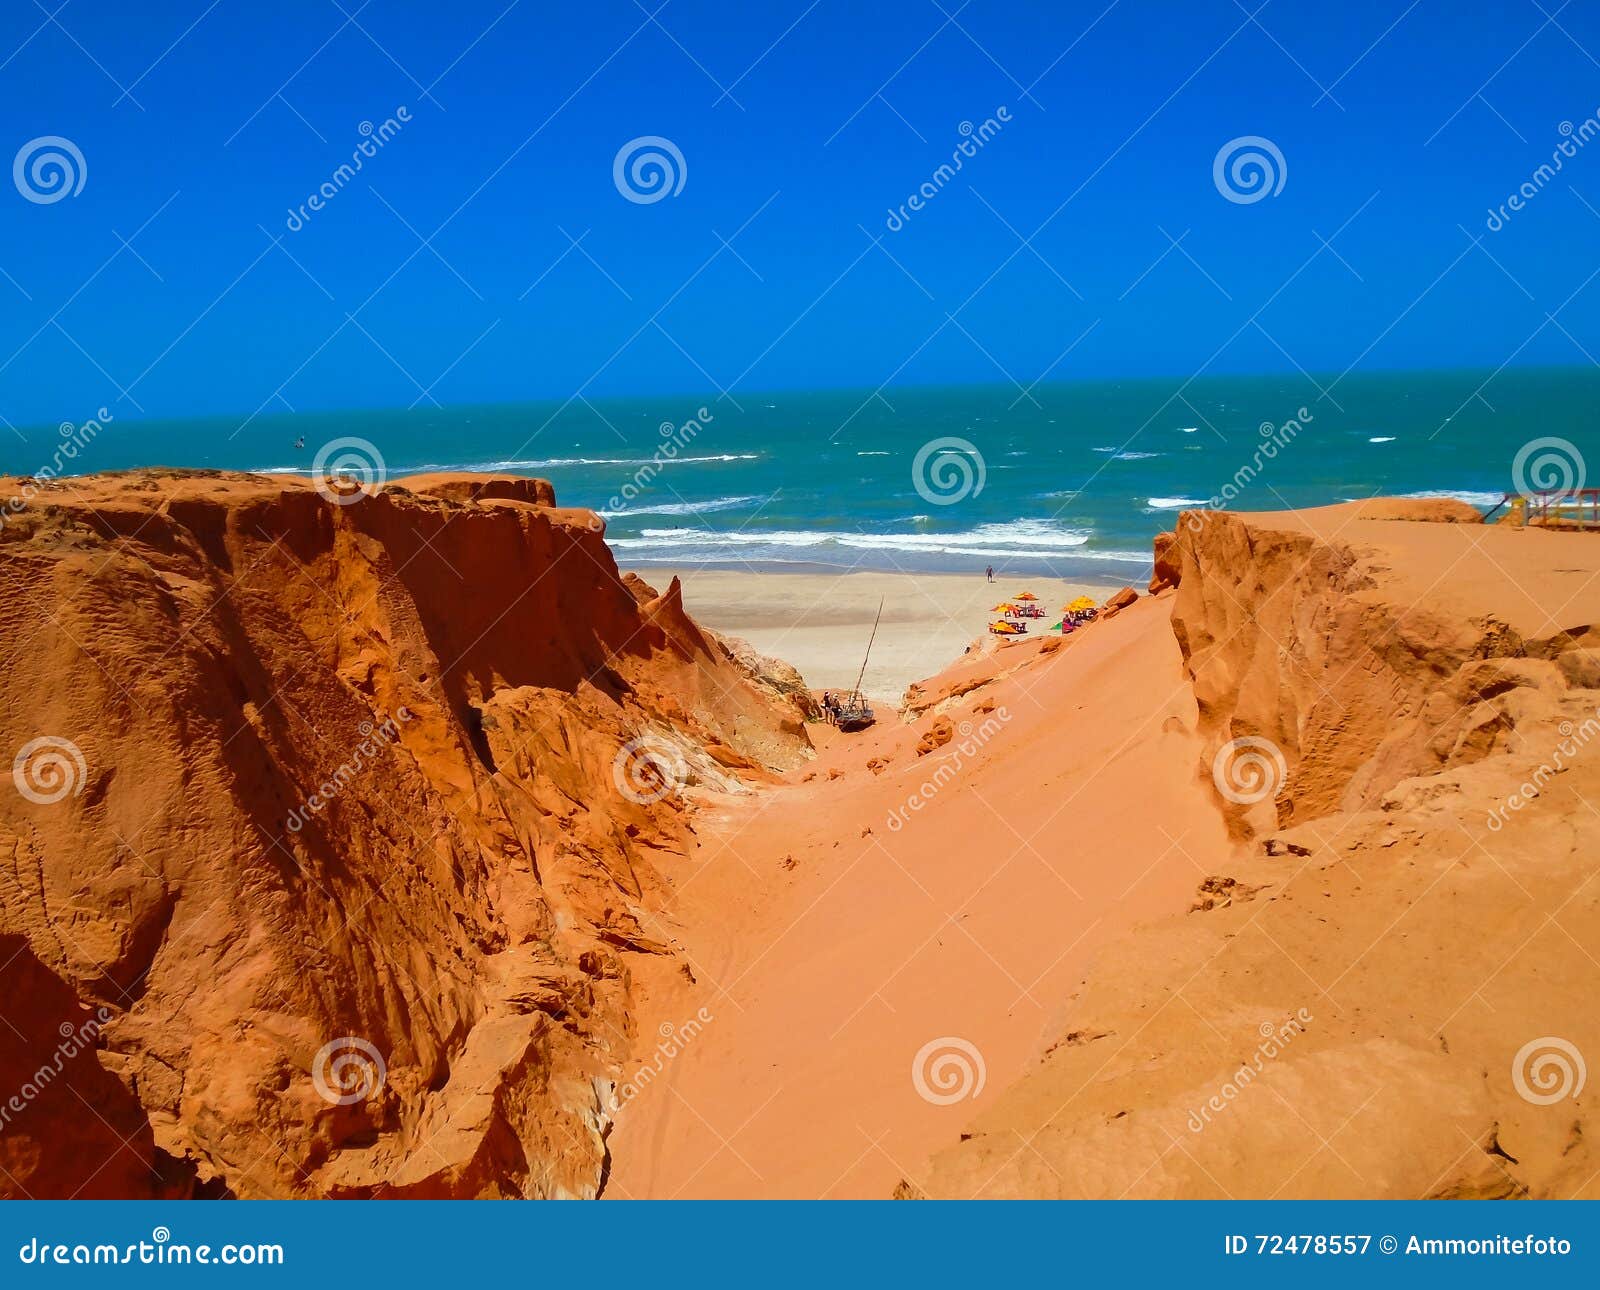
(779, 679)
(1117, 603)
(347, 820)
(940, 731)
(1166, 571)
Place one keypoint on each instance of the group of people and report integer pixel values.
(1076, 613)
(1014, 623)
(835, 705)
(849, 711)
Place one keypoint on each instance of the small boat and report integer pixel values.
(854, 712)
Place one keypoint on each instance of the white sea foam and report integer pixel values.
(1381, 438)
(545, 462)
(1117, 454)
(711, 538)
(1471, 496)
(688, 508)
(1172, 503)
(1120, 557)
(1036, 538)
(709, 557)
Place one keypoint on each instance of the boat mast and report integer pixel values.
(860, 675)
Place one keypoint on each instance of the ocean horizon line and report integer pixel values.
(702, 397)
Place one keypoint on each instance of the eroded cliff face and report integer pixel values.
(1308, 633)
(348, 821)
(1386, 991)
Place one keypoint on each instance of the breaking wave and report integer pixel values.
(1472, 497)
(1035, 538)
(687, 508)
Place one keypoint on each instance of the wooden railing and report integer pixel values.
(1574, 508)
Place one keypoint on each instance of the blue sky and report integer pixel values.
(171, 286)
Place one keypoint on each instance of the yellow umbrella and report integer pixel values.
(1027, 595)
(1002, 609)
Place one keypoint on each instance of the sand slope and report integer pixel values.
(830, 947)
(1390, 995)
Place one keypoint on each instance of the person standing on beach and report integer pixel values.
(989, 573)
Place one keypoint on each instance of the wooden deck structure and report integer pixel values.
(1573, 509)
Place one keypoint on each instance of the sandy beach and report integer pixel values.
(820, 622)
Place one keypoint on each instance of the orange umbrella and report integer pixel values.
(1027, 595)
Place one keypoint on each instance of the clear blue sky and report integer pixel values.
(800, 127)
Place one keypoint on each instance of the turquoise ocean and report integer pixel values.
(1071, 479)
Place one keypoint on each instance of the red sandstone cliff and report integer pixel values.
(335, 788)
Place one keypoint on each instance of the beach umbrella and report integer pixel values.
(1002, 609)
(1027, 595)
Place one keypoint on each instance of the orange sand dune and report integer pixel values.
(1387, 990)
(1380, 980)
(830, 946)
